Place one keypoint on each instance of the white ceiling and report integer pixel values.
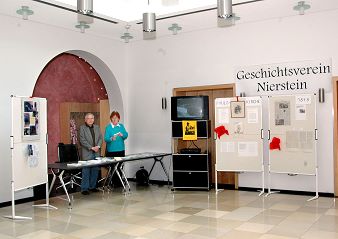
(130, 12)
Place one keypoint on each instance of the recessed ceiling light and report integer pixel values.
(301, 7)
(25, 12)
(82, 26)
(174, 28)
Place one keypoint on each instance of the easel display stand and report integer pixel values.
(239, 147)
(28, 148)
(293, 137)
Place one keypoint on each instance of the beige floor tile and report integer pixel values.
(136, 230)
(181, 227)
(209, 232)
(285, 207)
(66, 237)
(332, 212)
(188, 210)
(320, 234)
(157, 213)
(254, 227)
(154, 222)
(3, 236)
(87, 212)
(203, 221)
(89, 233)
(234, 234)
(193, 236)
(171, 216)
(271, 236)
(163, 234)
(243, 214)
(266, 219)
(303, 217)
(211, 213)
(42, 234)
(326, 223)
(166, 207)
(288, 231)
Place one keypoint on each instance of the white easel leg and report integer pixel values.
(262, 192)
(269, 187)
(317, 194)
(47, 205)
(216, 182)
(13, 216)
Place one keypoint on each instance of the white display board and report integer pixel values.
(242, 149)
(292, 120)
(29, 142)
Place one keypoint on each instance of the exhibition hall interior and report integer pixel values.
(183, 119)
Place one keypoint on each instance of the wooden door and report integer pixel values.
(77, 111)
(213, 91)
(228, 178)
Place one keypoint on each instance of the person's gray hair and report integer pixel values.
(89, 114)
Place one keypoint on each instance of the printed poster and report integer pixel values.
(300, 113)
(189, 129)
(30, 118)
(223, 116)
(282, 113)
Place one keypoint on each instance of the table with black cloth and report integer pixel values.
(115, 163)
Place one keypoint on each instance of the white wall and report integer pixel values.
(149, 70)
(25, 48)
(208, 57)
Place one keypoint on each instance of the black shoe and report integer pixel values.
(94, 190)
(85, 192)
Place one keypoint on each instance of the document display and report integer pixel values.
(240, 149)
(293, 123)
(29, 132)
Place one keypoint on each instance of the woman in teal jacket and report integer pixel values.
(115, 135)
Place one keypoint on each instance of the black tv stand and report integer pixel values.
(190, 165)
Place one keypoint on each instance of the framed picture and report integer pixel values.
(237, 109)
(30, 119)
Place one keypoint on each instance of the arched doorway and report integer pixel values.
(68, 78)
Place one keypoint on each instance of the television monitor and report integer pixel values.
(190, 108)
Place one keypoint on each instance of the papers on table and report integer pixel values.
(73, 164)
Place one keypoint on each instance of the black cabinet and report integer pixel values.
(191, 170)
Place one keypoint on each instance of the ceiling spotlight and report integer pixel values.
(174, 28)
(25, 12)
(228, 21)
(85, 6)
(126, 36)
(301, 7)
(224, 9)
(82, 26)
(149, 22)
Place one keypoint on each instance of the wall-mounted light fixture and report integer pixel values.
(164, 103)
(82, 26)
(85, 6)
(321, 95)
(174, 28)
(24, 12)
(242, 94)
(224, 9)
(301, 7)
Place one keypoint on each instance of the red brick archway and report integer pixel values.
(66, 78)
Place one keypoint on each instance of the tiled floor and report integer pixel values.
(157, 213)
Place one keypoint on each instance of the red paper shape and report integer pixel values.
(220, 130)
(275, 143)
